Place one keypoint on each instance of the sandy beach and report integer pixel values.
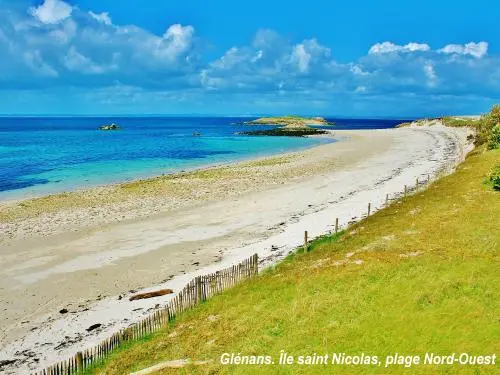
(88, 251)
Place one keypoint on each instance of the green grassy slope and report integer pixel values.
(419, 276)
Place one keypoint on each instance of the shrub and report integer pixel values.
(483, 127)
(495, 177)
(494, 141)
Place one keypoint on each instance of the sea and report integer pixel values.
(46, 155)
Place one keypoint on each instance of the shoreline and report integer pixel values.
(337, 191)
(153, 175)
(67, 198)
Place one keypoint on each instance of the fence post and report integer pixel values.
(406, 190)
(369, 208)
(386, 200)
(79, 361)
(336, 225)
(305, 240)
(416, 184)
(198, 289)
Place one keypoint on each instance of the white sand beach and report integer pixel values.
(86, 251)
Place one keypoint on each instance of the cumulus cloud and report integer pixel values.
(176, 41)
(36, 63)
(389, 47)
(102, 17)
(77, 62)
(430, 73)
(301, 58)
(478, 50)
(55, 39)
(55, 44)
(52, 11)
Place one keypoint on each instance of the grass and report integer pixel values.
(419, 276)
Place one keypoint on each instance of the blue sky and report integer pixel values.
(358, 58)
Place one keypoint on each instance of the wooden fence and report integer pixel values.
(198, 290)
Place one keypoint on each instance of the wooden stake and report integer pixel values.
(387, 199)
(336, 225)
(79, 361)
(305, 240)
(369, 208)
(198, 289)
(406, 190)
(416, 184)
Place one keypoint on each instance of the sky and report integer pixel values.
(332, 58)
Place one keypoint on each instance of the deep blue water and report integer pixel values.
(40, 155)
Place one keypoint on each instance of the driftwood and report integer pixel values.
(195, 292)
(179, 363)
(156, 293)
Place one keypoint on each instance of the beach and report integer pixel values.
(88, 251)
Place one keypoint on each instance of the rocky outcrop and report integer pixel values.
(113, 126)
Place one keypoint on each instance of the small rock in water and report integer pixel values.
(93, 326)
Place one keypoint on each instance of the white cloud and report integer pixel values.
(235, 57)
(64, 33)
(36, 63)
(389, 47)
(77, 62)
(412, 47)
(103, 18)
(430, 73)
(301, 58)
(257, 56)
(478, 50)
(176, 41)
(51, 11)
(77, 48)
(358, 70)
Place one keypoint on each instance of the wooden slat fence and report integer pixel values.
(198, 290)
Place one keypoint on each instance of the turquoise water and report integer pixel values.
(48, 155)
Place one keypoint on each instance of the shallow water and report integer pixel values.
(46, 155)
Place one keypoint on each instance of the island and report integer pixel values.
(291, 126)
(290, 121)
(113, 126)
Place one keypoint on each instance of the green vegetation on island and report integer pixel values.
(292, 126)
(292, 121)
(420, 276)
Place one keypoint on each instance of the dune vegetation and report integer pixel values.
(420, 276)
(486, 127)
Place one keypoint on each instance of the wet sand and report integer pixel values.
(82, 250)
